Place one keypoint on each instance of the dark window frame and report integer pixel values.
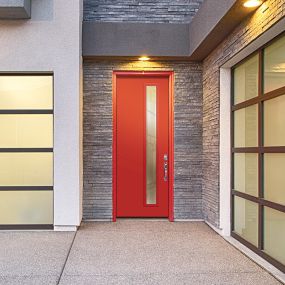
(260, 150)
(29, 150)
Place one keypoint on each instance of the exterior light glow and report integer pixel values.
(252, 3)
(144, 58)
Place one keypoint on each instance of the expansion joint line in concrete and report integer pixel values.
(67, 256)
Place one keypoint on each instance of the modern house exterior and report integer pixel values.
(145, 109)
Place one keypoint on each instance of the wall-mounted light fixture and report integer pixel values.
(252, 3)
(144, 58)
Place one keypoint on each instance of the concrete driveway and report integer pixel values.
(126, 252)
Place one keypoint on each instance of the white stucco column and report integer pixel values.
(51, 42)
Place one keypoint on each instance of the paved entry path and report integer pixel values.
(126, 252)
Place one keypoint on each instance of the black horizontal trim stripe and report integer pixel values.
(245, 150)
(268, 96)
(26, 149)
(33, 73)
(262, 149)
(26, 188)
(245, 196)
(261, 201)
(13, 112)
(26, 227)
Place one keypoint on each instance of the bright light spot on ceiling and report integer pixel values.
(144, 58)
(252, 3)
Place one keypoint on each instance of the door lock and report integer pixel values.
(165, 167)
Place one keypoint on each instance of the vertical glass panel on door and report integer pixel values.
(26, 169)
(246, 126)
(151, 145)
(274, 118)
(26, 207)
(26, 131)
(246, 173)
(274, 234)
(26, 92)
(274, 65)
(246, 219)
(246, 80)
(274, 177)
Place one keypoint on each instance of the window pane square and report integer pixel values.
(26, 169)
(274, 118)
(246, 127)
(246, 219)
(246, 173)
(274, 66)
(274, 234)
(26, 207)
(274, 177)
(26, 131)
(246, 80)
(26, 92)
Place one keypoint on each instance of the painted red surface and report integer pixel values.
(129, 147)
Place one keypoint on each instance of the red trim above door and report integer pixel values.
(170, 75)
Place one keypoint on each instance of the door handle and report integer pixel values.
(165, 167)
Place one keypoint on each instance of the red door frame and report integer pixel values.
(170, 75)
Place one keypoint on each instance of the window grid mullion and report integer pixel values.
(260, 155)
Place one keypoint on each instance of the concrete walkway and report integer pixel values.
(126, 252)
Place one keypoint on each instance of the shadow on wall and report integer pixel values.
(42, 10)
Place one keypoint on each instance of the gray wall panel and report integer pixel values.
(133, 39)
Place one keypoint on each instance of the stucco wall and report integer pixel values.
(264, 18)
(50, 42)
(155, 11)
(98, 136)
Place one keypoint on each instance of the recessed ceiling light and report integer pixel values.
(144, 58)
(252, 3)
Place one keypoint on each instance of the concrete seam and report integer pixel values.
(67, 256)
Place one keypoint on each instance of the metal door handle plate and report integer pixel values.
(165, 167)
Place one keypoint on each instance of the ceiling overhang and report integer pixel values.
(214, 21)
(133, 39)
(15, 9)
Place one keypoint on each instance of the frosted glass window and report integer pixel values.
(26, 92)
(274, 234)
(274, 118)
(246, 80)
(26, 207)
(26, 131)
(246, 173)
(274, 177)
(26, 169)
(246, 127)
(274, 66)
(151, 145)
(246, 219)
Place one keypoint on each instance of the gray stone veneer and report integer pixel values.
(97, 198)
(244, 34)
(146, 11)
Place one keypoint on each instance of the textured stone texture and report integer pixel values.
(32, 258)
(97, 143)
(245, 33)
(168, 253)
(146, 11)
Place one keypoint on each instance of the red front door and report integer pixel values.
(142, 146)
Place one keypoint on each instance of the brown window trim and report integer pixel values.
(260, 150)
(267, 96)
